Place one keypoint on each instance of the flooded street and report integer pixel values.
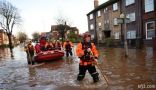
(132, 73)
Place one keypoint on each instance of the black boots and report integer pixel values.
(80, 77)
(95, 77)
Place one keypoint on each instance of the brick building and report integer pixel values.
(103, 21)
(3, 38)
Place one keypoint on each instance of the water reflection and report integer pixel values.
(32, 77)
(122, 73)
(4, 53)
(129, 72)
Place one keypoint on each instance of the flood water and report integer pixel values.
(137, 71)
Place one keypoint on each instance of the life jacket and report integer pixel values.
(31, 50)
(37, 48)
(57, 46)
(68, 46)
(87, 55)
(49, 47)
(42, 41)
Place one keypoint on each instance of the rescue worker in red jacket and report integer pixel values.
(88, 55)
(68, 47)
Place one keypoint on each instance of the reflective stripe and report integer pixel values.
(85, 63)
(80, 75)
(94, 73)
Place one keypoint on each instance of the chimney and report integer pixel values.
(96, 3)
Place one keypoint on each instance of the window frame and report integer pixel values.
(99, 24)
(115, 6)
(115, 21)
(130, 34)
(99, 13)
(129, 2)
(117, 35)
(129, 15)
(91, 26)
(148, 4)
(147, 30)
(91, 17)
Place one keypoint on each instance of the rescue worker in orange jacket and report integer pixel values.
(30, 50)
(68, 47)
(88, 55)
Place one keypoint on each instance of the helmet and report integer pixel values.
(67, 40)
(86, 35)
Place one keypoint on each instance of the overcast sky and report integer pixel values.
(39, 15)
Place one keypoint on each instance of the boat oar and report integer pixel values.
(98, 66)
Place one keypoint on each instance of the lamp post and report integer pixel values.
(124, 20)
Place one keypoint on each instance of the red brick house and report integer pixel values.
(3, 38)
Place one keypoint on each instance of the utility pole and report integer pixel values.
(125, 38)
(123, 20)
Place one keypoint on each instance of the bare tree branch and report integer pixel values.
(10, 17)
(10, 14)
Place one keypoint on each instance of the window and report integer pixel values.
(99, 13)
(128, 2)
(91, 16)
(100, 36)
(107, 21)
(68, 32)
(115, 21)
(91, 26)
(76, 32)
(131, 34)
(149, 5)
(92, 36)
(150, 29)
(131, 17)
(115, 6)
(105, 10)
(99, 24)
(116, 35)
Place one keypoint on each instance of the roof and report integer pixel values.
(56, 27)
(1, 30)
(103, 6)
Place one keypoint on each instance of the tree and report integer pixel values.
(62, 26)
(22, 37)
(36, 36)
(9, 18)
(61, 22)
(73, 37)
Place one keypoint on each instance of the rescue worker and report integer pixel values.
(88, 55)
(57, 45)
(30, 50)
(43, 41)
(50, 46)
(37, 48)
(68, 47)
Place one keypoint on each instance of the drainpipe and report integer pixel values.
(95, 31)
(139, 31)
(122, 35)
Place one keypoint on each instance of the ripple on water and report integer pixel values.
(115, 76)
(117, 88)
(109, 73)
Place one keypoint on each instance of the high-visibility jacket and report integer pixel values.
(68, 45)
(81, 52)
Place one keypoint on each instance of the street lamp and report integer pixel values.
(124, 20)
